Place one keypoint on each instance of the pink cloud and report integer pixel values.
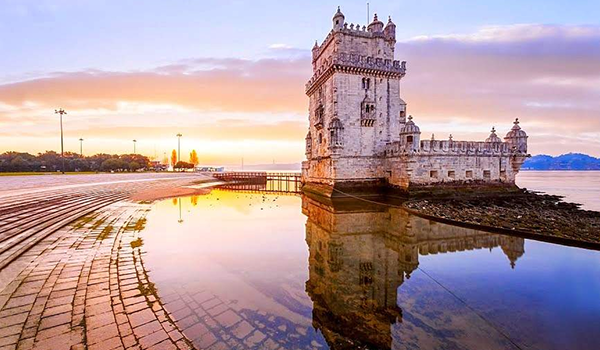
(548, 76)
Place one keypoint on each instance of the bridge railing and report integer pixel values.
(268, 182)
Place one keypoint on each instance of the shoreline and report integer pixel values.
(529, 215)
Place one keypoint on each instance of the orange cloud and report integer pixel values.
(548, 76)
(229, 85)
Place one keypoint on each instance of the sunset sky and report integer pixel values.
(230, 75)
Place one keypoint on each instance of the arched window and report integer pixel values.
(335, 131)
(366, 82)
(319, 115)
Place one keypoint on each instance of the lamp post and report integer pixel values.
(178, 147)
(62, 155)
(134, 142)
(81, 147)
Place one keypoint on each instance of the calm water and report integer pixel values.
(240, 270)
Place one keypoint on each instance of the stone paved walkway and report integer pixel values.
(80, 284)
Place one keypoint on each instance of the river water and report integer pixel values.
(257, 271)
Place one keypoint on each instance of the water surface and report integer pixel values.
(247, 270)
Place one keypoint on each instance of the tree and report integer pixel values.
(183, 165)
(52, 161)
(173, 158)
(112, 164)
(194, 158)
(133, 166)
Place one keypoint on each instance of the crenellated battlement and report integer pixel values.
(453, 148)
(350, 29)
(359, 64)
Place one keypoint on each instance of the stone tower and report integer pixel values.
(358, 137)
(355, 107)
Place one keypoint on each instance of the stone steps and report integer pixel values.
(43, 227)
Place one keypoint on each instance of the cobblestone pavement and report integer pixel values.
(213, 323)
(77, 284)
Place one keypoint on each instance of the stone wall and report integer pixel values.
(358, 131)
(337, 92)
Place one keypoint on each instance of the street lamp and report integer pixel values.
(62, 155)
(81, 147)
(134, 142)
(178, 147)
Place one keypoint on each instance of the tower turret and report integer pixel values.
(338, 20)
(410, 136)
(376, 26)
(517, 138)
(493, 137)
(315, 51)
(390, 30)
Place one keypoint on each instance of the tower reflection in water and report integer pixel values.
(360, 254)
(251, 271)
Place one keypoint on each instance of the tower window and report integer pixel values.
(366, 82)
(320, 138)
(335, 131)
(409, 139)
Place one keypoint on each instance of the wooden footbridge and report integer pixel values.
(261, 181)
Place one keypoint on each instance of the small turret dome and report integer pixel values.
(338, 19)
(410, 127)
(493, 137)
(390, 23)
(516, 131)
(390, 30)
(316, 46)
(376, 25)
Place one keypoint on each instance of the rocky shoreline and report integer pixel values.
(533, 214)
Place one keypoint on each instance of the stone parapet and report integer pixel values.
(452, 148)
(358, 64)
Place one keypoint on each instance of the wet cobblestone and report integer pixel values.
(83, 285)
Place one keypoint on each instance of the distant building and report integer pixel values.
(360, 137)
(156, 165)
(209, 169)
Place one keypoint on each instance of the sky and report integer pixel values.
(230, 75)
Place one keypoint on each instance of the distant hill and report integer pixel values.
(569, 161)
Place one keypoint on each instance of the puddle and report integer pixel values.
(259, 271)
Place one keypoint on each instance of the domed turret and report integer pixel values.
(517, 138)
(410, 135)
(513, 248)
(493, 137)
(390, 30)
(338, 20)
(315, 51)
(375, 26)
(410, 127)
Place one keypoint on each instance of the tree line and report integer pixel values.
(52, 161)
